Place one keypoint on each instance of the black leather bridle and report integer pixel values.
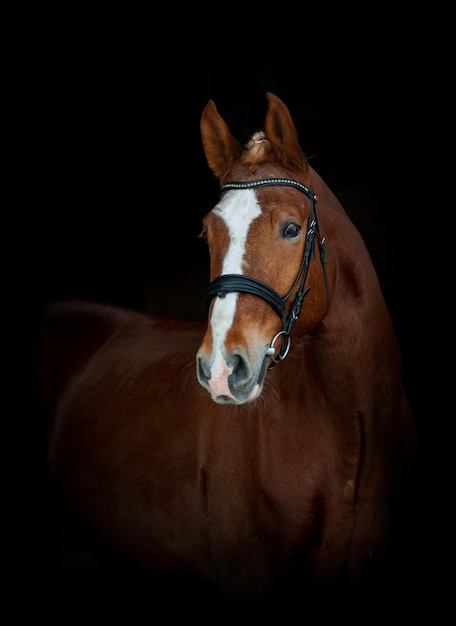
(227, 283)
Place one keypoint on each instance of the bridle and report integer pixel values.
(227, 283)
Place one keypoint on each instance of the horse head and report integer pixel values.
(268, 267)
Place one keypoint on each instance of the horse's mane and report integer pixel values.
(257, 150)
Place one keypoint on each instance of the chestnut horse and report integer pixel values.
(266, 451)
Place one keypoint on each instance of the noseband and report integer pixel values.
(227, 283)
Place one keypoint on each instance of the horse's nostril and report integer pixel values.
(241, 371)
(202, 368)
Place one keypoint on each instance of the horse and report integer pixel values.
(265, 451)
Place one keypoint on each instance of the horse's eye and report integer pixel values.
(291, 230)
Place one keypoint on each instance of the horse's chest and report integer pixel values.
(276, 503)
(269, 486)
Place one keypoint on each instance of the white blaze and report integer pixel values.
(238, 209)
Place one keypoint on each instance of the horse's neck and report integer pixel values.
(355, 345)
(351, 361)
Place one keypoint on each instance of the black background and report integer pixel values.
(113, 185)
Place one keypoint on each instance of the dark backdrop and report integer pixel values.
(117, 184)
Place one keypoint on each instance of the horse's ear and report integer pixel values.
(220, 147)
(282, 135)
